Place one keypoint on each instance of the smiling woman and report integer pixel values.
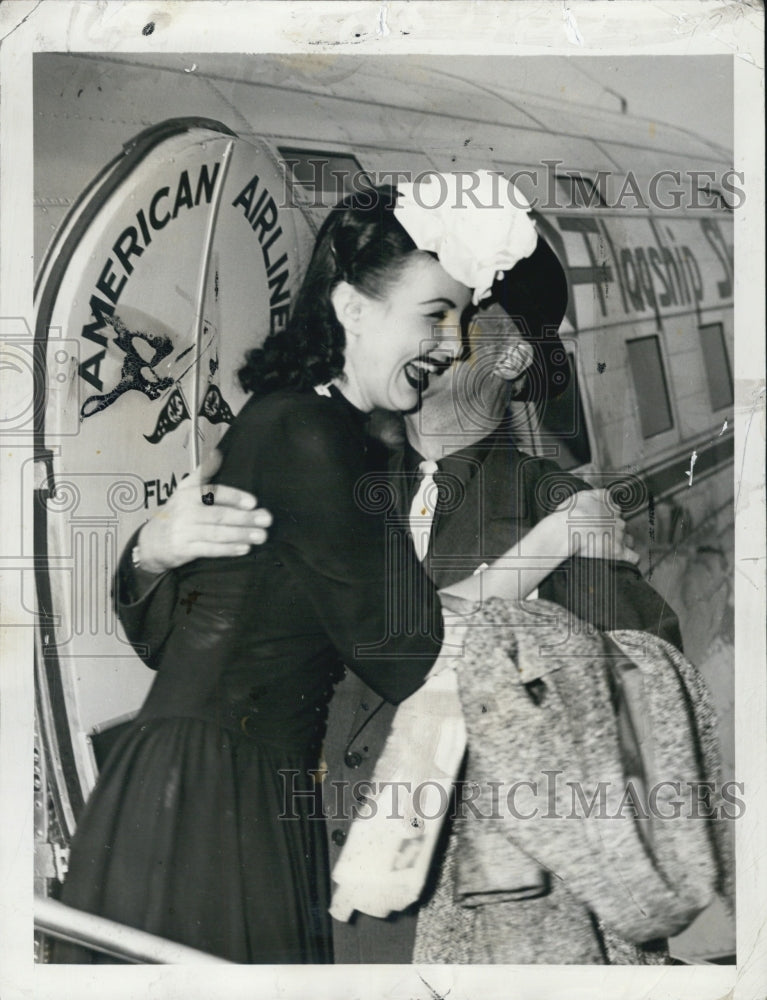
(185, 834)
(394, 343)
(240, 700)
(182, 835)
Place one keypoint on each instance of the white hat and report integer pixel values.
(477, 229)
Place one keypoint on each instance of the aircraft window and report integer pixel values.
(580, 191)
(562, 420)
(650, 385)
(717, 365)
(321, 172)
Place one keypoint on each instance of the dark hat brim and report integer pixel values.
(534, 295)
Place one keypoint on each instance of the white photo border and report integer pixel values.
(538, 27)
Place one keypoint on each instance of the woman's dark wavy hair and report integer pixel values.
(360, 242)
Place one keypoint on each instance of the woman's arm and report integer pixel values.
(187, 527)
(585, 524)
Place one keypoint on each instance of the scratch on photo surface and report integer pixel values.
(693, 460)
(383, 28)
(758, 398)
(571, 26)
(22, 21)
(434, 994)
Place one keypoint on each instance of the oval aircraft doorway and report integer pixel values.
(180, 255)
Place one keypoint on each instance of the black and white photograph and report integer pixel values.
(383, 499)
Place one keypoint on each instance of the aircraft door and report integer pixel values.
(180, 256)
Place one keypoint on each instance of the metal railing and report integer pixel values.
(116, 940)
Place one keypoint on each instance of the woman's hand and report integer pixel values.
(226, 523)
(595, 528)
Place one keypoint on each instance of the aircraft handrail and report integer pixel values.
(112, 938)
